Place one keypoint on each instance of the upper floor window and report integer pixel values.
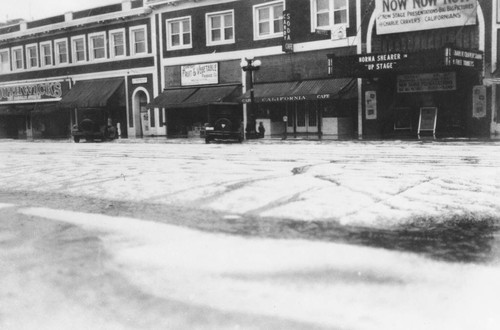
(138, 39)
(4, 61)
(17, 58)
(220, 28)
(61, 50)
(78, 49)
(97, 45)
(179, 33)
(268, 20)
(32, 56)
(327, 13)
(46, 53)
(117, 43)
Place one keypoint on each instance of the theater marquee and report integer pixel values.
(396, 16)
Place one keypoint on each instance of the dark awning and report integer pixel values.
(93, 93)
(195, 97)
(171, 98)
(304, 90)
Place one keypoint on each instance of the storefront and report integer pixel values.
(101, 100)
(193, 91)
(400, 88)
(322, 108)
(30, 110)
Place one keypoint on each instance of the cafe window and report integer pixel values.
(97, 44)
(46, 53)
(220, 28)
(325, 14)
(138, 39)
(78, 49)
(268, 20)
(17, 58)
(4, 61)
(32, 56)
(117, 43)
(61, 51)
(179, 33)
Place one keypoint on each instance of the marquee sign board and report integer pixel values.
(397, 16)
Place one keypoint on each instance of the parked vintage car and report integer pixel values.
(224, 124)
(95, 125)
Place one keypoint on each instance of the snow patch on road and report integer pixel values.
(329, 284)
(4, 206)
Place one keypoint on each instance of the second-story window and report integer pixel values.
(179, 33)
(61, 47)
(220, 28)
(78, 49)
(117, 43)
(138, 43)
(17, 58)
(4, 61)
(327, 13)
(32, 56)
(97, 45)
(46, 54)
(268, 20)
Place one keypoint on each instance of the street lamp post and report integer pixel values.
(249, 64)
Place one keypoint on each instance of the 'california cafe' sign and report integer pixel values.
(395, 16)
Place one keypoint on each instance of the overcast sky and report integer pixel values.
(36, 9)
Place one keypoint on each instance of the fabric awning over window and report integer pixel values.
(303, 90)
(171, 98)
(94, 93)
(195, 97)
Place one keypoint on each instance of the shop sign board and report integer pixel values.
(427, 82)
(427, 120)
(40, 91)
(200, 74)
(463, 58)
(371, 105)
(397, 16)
(287, 32)
(137, 81)
(479, 101)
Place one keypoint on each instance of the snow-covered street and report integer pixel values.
(257, 280)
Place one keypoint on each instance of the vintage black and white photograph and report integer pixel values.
(250, 164)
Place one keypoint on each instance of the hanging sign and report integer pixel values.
(397, 16)
(287, 32)
(200, 74)
(371, 105)
(479, 101)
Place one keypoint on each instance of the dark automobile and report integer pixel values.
(95, 125)
(224, 124)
